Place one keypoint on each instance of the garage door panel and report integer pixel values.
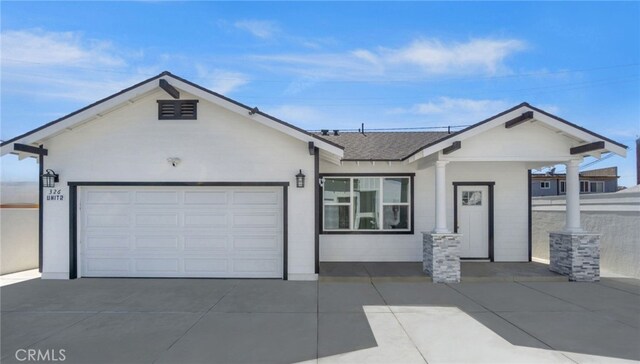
(108, 265)
(205, 219)
(248, 219)
(156, 219)
(206, 243)
(256, 198)
(155, 265)
(156, 197)
(204, 265)
(205, 197)
(156, 242)
(256, 242)
(104, 220)
(107, 242)
(181, 232)
(256, 265)
(107, 197)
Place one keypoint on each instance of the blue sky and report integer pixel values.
(332, 65)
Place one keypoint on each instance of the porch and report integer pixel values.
(413, 272)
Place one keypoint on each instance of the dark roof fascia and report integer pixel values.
(510, 110)
(166, 73)
(83, 109)
(248, 108)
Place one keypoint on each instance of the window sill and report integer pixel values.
(351, 232)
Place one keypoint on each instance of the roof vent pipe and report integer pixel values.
(324, 131)
(336, 132)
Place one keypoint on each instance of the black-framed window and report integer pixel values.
(367, 204)
(177, 109)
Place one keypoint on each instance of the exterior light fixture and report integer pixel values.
(49, 179)
(300, 179)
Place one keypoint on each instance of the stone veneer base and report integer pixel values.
(441, 257)
(576, 255)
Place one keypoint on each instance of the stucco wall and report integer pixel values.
(510, 211)
(131, 144)
(615, 216)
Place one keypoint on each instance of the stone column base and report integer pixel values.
(576, 255)
(441, 257)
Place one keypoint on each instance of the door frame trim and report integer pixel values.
(73, 212)
(490, 186)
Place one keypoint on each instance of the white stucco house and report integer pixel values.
(169, 179)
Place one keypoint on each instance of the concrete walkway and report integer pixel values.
(269, 321)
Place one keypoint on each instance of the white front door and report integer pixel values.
(181, 232)
(473, 221)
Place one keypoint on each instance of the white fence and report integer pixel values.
(616, 216)
(18, 227)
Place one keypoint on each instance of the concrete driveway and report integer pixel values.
(268, 321)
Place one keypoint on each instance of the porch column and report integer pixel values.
(572, 223)
(574, 252)
(441, 248)
(441, 198)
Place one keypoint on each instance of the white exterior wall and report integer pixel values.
(131, 144)
(510, 211)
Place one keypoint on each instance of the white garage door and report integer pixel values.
(181, 232)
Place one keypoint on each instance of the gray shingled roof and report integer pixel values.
(382, 145)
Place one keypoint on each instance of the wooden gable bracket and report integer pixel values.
(30, 149)
(452, 148)
(170, 89)
(312, 148)
(519, 120)
(587, 147)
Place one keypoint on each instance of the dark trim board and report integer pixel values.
(177, 184)
(30, 149)
(318, 206)
(73, 213)
(529, 212)
(490, 185)
(367, 175)
(411, 231)
(40, 209)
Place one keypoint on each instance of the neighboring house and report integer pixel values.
(594, 181)
(169, 179)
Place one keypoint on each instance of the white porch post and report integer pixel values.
(573, 197)
(441, 198)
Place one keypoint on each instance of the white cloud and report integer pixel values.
(436, 57)
(458, 110)
(64, 65)
(56, 48)
(258, 28)
(221, 81)
(420, 58)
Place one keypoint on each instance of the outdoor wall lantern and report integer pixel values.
(300, 179)
(49, 179)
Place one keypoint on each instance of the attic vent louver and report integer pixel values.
(324, 131)
(177, 109)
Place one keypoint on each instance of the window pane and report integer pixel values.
(597, 186)
(396, 190)
(336, 217)
(336, 190)
(395, 217)
(366, 199)
(471, 198)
